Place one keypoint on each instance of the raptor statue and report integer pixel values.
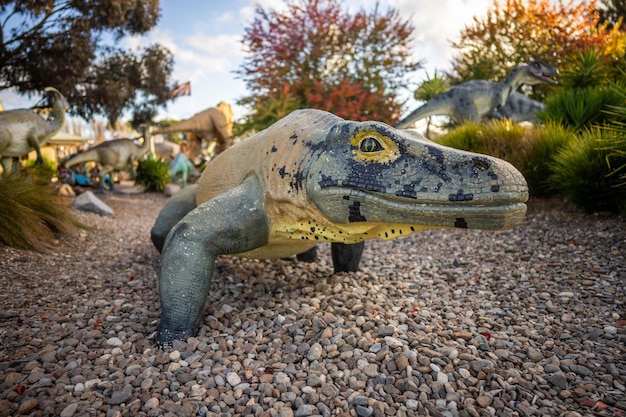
(521, 108)
(313, 177)
(22, 130)
(113, 155)
(215, 123)
(476, 99)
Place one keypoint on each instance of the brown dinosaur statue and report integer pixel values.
(215, 123)
(22, 130)
(113, 155)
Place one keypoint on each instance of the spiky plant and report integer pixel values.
(582, 108)
(153, 174)
(587, 69)
(31, 215)
(544, 144)
(589, 171)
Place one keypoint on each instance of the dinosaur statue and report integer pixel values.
(313, 177)
(112, 155)
(22, 130)
(181, 165)
(476, 99)
(215, 123)
(521, 108)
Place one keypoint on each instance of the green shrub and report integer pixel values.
(41, 173)
(587, 69)
(582, 108)
(31, 215)
(499, 138)
(589, 171)
(153, 174)
(544, 143)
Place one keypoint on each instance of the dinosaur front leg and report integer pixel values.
(7, 165)
(230, 223)
(176, 208)
(34, 143)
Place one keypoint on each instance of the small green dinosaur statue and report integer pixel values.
(313, 177)
(22, 130)
(181, 165)
(477, 99)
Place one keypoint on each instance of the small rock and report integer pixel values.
(233, 379)
(306, 410)
(558, 379)
(315, 352)
(27, 405)
(66, 190)
(484, 400)
(69, 410)
(115, 342)
(152, 403)
(88, 201)
(580, 370)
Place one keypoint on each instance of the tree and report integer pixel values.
(518, 31)
(613, 12)
(56, 42)
(315, 54)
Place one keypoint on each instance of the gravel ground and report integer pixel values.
(527, 322)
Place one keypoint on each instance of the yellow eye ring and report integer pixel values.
(372, 146)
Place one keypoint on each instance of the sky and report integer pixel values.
(205, 39)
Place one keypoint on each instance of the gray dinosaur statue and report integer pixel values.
(22, 130)
(313, 177)
(521, 108)
(476, 99)
(113, 155)
(211, 124)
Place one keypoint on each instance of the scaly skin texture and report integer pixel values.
(313, 177)
(112, 155)
(23, 130)
(476, 99)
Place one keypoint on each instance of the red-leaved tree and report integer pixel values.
(317, 55)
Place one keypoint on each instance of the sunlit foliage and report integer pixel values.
(317, 54)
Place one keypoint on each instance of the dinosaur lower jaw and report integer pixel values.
(495, 211)
(544, 78)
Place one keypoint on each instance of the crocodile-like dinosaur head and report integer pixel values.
(371, 172)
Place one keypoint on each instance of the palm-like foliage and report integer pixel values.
(588, 69)
(153, 174)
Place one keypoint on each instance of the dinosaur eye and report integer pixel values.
(370, 144)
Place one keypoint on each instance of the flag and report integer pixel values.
(181, 90)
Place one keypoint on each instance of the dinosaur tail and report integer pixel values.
(431, 108)
(82, 157)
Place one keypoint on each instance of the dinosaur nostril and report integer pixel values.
(481, 163)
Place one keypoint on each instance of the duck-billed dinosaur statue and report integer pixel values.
(313, 177)
(22, 130)
(215, 123)
(476, 99)
(113, 155)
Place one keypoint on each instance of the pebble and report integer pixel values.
(445, 323)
